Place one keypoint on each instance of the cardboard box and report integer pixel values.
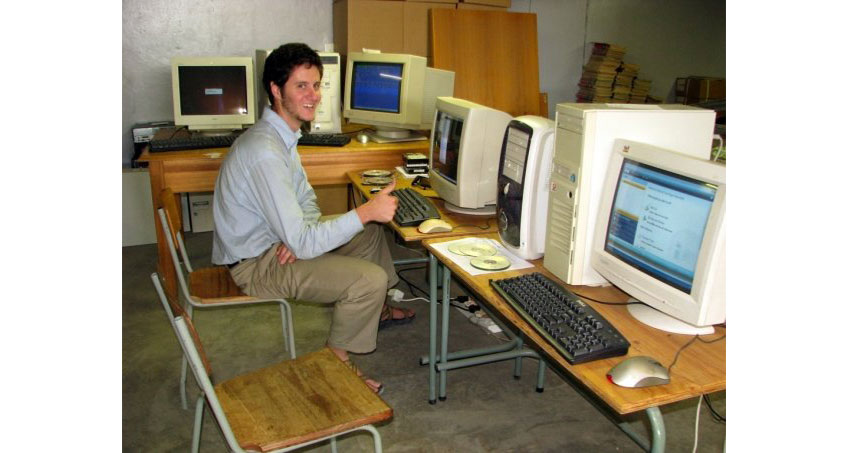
(498, 3)
(372, 24)
(416, 26)
(692, 90)
(483, 7)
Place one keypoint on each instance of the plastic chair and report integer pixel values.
(210, 286)
(282, 407)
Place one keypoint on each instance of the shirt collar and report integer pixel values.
(289, 137)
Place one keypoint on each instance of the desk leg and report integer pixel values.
(657, 429)
(443, 375)
(433, 331)
(165, 266)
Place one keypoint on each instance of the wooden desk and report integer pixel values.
(463, 224)
(700, 368)
(197, 170)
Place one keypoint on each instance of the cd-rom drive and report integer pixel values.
(585, 134)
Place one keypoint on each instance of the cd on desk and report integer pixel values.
(491, 263)
(455, 248)
(376, 173)
(376, 181)
(477, 249)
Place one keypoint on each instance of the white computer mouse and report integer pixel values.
(434, 226)
(638, 371)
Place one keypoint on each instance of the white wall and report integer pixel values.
(667, 38)
(155, 30)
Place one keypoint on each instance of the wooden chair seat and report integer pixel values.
(289, 403)
(215, 285)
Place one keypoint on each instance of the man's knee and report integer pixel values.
(371, 279)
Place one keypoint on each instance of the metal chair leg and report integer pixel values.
(198, 423)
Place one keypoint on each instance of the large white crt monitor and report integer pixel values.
(465, 145)
(523, 179)
(661, 236)
(213, 93)
(395, 93)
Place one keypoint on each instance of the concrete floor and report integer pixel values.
(486, 409)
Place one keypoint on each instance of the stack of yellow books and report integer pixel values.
(607, 78)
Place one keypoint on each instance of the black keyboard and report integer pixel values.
(323, 140)
(578, 332)
(193, 142)
(413, 208)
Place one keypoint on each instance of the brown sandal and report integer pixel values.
(378, 390)
(387, 318)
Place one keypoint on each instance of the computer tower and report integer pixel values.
(523, 178)
(328, 115)
(585, 134)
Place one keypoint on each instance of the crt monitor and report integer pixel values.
(213, 93)
(465, 147)
(395, 93)
(661, 236)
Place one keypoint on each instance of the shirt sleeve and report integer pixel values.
(297, 225)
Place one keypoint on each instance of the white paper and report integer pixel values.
(465, 261)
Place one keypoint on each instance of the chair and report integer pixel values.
(282, 407)
(210, 286)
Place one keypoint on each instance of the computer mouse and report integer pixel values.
(639, 371)
(363, 138)
(434, 226)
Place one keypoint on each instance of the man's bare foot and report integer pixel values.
(391, 315)
(375, 386)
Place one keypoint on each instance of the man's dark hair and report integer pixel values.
(281, 62)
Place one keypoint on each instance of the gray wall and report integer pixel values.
(667, 38)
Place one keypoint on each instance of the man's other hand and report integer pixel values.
(284, 255)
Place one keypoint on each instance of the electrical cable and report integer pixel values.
(716, 416)
(688, 343)
(697, 419)
(476, 226)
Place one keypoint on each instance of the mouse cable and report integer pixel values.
(688, 343)
(716, 416)
(477, 226)
(697, 420)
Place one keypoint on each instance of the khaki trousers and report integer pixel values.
(354, 276)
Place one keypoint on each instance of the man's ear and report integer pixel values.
(276, 92)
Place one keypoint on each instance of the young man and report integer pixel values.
(267, 221)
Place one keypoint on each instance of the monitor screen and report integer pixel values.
(213, 90)
(213, 93)
(376, 86)
(446, 140)
(657, 222)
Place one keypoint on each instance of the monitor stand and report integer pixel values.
(216, 132)
(486, 210)
(664, 322)
(394, 135)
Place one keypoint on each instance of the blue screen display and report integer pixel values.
(658, 221)
(376, 86)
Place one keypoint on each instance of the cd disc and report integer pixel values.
(491, 263)
(376, 181)
(477, 249)
(376, 173)
(455, 248)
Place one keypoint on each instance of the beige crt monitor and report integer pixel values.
(661, 236)
(584, 139)
(465, 149)
(213, 93)
(396, 93)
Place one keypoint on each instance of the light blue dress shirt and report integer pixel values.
(262, 197)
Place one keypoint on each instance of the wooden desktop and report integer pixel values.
(700, 368)
(197, 170)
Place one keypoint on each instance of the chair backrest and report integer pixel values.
(194, 353)
(168, 202)
(169, 220)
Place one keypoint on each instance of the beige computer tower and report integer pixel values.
(584, 140)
